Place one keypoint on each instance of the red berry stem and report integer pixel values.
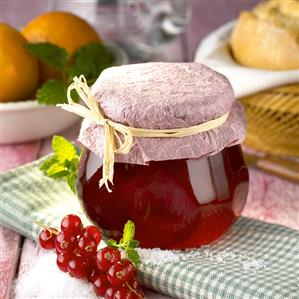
(50, 229)
(133, 290)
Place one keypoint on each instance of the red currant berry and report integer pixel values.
(71, 224)
(93, 272)
(47, 238)
(62, 261)
(107, 257)
(129, 266)
(124, 293)
(86, 246)
(118, 275)
(78, 267)
(101, 284)
(110, 292)
(65, 243)
(92, 232)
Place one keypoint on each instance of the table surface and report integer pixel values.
(271, 199)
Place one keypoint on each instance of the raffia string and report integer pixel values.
(118, 138)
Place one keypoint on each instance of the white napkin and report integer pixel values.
(214, 52)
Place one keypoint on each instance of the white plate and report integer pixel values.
(27, 120)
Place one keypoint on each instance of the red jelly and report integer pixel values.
(175, 204)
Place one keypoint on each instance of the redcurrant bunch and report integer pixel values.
(111, 276)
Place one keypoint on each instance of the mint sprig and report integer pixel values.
(49, 53)
(64, 163)
(128, 243)
(89, 60)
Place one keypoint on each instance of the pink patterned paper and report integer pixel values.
(163, 96)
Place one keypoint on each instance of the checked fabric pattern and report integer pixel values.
(254, 259)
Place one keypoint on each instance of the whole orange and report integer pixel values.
(18, 69)
(62, 29)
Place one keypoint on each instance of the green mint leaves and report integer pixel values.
(128, 243)
(52, 92)
(64, 163)
(89, 60)
(49, 53)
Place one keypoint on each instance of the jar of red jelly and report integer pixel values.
(180, 192)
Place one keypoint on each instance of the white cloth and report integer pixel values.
(214, 52)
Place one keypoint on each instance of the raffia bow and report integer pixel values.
(118, 138)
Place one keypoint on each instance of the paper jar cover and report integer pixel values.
(165, 96)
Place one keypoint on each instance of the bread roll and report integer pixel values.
(268, 37)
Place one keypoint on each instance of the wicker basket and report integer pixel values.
(273, 120)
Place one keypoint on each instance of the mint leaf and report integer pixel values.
(63, 149)
(64, 163)
(49, 53)
(71, 180)
(89, 60)
(57, 171)
(111, 243)
(128, 233)
(133, 243)
(48, 163)
(133, 256)
(52, 92)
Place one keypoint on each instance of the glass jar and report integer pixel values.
(169, 136)
(175, 204)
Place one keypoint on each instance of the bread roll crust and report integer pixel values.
(268, 38)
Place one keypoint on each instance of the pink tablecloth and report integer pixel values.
(272, 199)
(11, 157)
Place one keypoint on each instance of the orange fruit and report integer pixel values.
(18, 68)
(62, 29)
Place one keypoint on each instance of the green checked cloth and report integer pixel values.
(254, 260)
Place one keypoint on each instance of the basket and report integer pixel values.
(273, 120)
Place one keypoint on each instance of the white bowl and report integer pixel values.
(27, 120)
